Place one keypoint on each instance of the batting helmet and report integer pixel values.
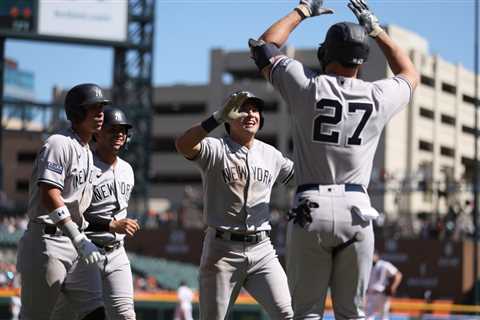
(259, 103)
(115, 116)
(80, 97)
(346, 43)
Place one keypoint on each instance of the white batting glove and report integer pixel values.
(365, 17)
(88, 251)
(312, 8)
(231, 108)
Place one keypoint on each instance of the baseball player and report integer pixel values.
(337, 121)
(60, 191)
(108, 222)
(384, 281)
(238, 175)
(183, 309)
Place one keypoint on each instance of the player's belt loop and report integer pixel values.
(349, 187)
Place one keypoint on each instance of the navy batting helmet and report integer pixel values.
(346, 43)
(259, 103)
(80, 97)
(115, 116)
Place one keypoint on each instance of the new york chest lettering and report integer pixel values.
(239, 173)
(107, 189)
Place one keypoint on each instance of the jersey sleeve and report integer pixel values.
(210, 149)
(291, 79)
(286, 170)
(390, 269)
(392, 95)
(53, 162)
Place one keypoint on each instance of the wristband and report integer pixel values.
(59, 214)
(210, 124)
(303, 11)
(300, 12)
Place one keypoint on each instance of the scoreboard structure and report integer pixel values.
(16, 16)
(95, 22)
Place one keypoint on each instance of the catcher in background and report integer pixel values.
(337, 121)
(384, 281)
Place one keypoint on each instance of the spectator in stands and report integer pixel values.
(152, 284)
(183, 310)
(384, 281)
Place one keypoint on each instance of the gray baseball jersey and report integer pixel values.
(111, 191)
(336, 124)
(66, 163)
(44, 260)
(237, 185)
(244, 177)
(336, 121)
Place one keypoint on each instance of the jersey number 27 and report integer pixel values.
(324, 125)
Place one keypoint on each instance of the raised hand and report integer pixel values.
(231, 109)
(312, 8)
(365, 17)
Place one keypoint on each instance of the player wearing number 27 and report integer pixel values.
(337, 120)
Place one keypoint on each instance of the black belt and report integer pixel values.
(109, 247)
(251, 238)
(52, 229)
(349, 187)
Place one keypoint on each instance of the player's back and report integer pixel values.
(336, 132)
(336, 121)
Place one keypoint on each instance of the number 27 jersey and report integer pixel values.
(336, 121)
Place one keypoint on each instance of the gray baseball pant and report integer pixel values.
(46, 263)
(226, 266)
(311, 266)
(115, 276)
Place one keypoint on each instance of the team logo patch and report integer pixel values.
(54, 167)
(285, 62)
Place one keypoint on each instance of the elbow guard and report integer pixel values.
(263, 53)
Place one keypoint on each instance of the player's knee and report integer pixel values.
(97, 314)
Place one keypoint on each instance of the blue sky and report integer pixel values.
(186, 30)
